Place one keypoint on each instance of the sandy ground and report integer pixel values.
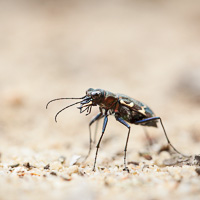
(148, 50)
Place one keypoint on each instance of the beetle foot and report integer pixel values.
(94, 170)
(126, 169)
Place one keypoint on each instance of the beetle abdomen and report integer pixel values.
(132, 116)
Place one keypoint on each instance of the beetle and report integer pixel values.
(125, 109)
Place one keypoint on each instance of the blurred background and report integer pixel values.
(148, 50)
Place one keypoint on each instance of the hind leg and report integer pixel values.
(158, 118)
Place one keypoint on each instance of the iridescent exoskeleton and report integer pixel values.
(125, 110)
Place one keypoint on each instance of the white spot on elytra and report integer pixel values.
(127, 104)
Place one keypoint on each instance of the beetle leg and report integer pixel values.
(150, 141)
(89, 110)
(125, 149)
(97, 117)
(81, 111)
(95, 132)
(98, 145)
(158, 118)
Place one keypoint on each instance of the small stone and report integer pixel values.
(47, 166)
(133, 163)
(197, 159)
(66, 178)
(27, 165)
(164, 148)
(74, 160)
(14, 165)
(170, 162)
(53, 173)
(146, 156)
(56, 165)
(197, 170)
(73, 169)
(62, 159)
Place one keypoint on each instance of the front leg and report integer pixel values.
(96, 118)
(98, 145)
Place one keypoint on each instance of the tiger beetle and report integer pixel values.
(125, 109)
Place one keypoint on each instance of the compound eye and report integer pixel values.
(96, 94)
(89, 91)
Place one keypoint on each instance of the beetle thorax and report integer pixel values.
(109, 101)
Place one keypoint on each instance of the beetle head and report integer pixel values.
(96, 95)
(92, 98)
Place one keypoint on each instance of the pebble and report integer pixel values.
(72, 169)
